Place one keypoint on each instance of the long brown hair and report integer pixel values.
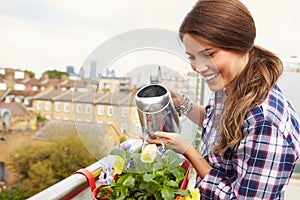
(228, 24)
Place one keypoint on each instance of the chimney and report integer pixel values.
(64, 77)
(10, 77)
(45, 76)
(26, 75)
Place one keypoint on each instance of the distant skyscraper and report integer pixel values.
(81, 73)
(155, 75)
(93, 70)
(159, 77)
(70, 69)
(110, 72)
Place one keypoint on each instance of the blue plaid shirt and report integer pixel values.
(266, 156)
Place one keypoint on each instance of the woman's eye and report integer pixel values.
(209, 55)
(191, 58)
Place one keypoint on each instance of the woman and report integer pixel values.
(250, 132)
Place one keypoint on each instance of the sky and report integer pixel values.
(40, 35)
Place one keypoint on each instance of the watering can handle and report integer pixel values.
(89, 177)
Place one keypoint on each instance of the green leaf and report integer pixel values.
(143, 186)
(152, 188)
(183, 193)
(173, 183)
(167, 194)
(118, 152)
(142, 198)
(126, 180)
(122, 178)
(138, 194)
(120, 198)
(157, 166)
(148, 177)
(129, 182)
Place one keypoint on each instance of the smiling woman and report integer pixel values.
(245, 121)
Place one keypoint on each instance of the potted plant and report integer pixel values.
(149, 172)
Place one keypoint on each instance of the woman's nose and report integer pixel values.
(201, 68)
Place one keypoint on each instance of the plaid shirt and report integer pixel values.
(266, 156)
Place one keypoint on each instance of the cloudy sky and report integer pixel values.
(39, 35)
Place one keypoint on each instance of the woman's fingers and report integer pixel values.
(166, 135)
(162, 137)
(153, 141)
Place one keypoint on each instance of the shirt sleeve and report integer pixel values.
(260, 169)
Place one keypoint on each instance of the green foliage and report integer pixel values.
(54, 74)
(122, 139)
(40, 118)
(11, 194)
(45, 164)
(31, 74)
(160, 179)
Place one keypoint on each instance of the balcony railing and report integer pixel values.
(73, 187)
(76, 187)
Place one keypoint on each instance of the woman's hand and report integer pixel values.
(177, 97)
(179, 143)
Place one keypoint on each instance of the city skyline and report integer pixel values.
(39, 35)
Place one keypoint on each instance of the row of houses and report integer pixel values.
(18, 89)
(117, 109)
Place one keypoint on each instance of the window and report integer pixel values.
(57, 107)
(34, 88)
(78, 108)
(66, 107)
(100, 110)
(27, 101)
(88, 109)
(138, 129)
(39, 105)
(124, 128)
(110, 111)
(124, 112)
(47, 106)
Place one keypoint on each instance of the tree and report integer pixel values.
(31, 74)
(11, 194)
(46, 164)
(54, 74)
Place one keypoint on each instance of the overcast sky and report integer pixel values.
(39, 35)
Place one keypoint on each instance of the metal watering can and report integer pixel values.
(156, 109)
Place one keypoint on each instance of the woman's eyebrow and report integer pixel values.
(200, 52)
(204, 50)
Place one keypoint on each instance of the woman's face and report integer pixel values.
(217, 66)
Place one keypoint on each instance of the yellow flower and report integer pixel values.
(149, 153)
(118, 164)
(194, 193)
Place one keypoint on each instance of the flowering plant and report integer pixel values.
(150, 172)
